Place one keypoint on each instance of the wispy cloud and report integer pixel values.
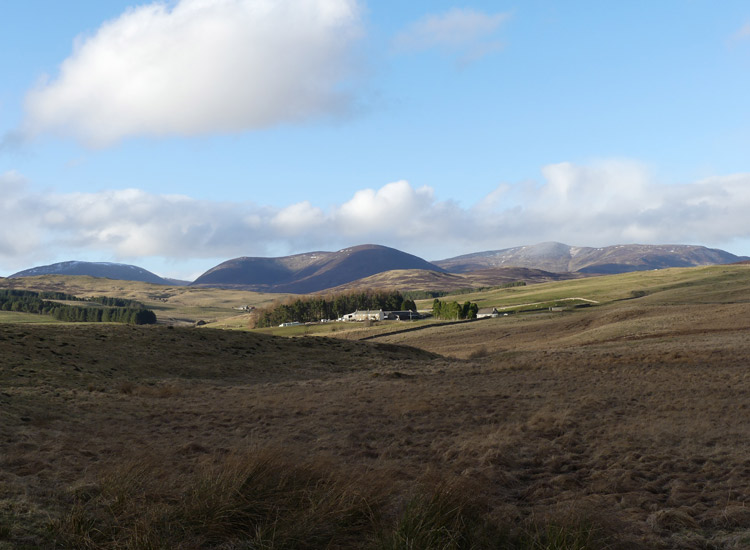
(464, 34)
(742, 34)
(201, 67)
(597, 204)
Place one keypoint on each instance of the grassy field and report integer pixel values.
(621, 425)
(708, 284)
(172, 305)
(18, 317)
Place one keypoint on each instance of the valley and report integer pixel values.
(618, 425)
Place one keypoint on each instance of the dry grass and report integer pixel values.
(172, 304)
(705, 285)
(251, 500)
(418, 279)
(620, 426)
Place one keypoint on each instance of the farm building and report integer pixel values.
(487, 312)
(402, 315)
(371, 315)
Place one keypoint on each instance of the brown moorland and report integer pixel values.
(623, 425)
(420, 279)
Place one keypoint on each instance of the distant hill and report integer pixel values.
(176, 282)
(562, 258)
(121, 272)
(418, 279)
(310, 272)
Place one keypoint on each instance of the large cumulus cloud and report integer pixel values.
(201, 66)
(596, 204)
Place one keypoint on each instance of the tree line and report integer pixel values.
(115, 302)
(41, 303)
(454, 310)
(315, 308)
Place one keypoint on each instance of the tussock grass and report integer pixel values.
(557, 536)
(267, 499)
(252, 500)
(580, 526)
(443, 517)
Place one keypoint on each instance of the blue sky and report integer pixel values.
(176, 135)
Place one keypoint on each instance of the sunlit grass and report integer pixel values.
(174, 303)
(18, 317)
(696, 284)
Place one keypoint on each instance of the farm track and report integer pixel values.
(416, 329)
(540, 303)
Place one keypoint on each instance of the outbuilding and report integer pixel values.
(487, 312)
(402, 315)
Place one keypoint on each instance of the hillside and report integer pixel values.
(311, 272)
(696, 285)
(419, 279)
(122, 272)
(696, 300)
(561, 258)
(173, 305)
(614, 426)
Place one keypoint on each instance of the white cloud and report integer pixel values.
(16, 236)
(596, 204)
(298, 218)
(464, 33)
(391, 206)
(595, 187)
(199, 67)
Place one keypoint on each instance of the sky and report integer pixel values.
(176, 135)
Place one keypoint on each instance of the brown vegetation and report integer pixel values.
(420, 279)
(618, 426)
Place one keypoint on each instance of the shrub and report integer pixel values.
(479, 352)
(444, 519)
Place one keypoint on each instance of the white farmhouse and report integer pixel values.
(369, 315)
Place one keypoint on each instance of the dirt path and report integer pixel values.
(538, 303)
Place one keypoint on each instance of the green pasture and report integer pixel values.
(18, 317)
(721, 284)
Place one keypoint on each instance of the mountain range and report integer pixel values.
(562, 258)
(378, 266)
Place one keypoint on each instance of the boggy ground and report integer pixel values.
(631, 419)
